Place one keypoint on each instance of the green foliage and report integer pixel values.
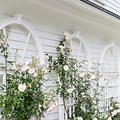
(77, 83)
(24, 96)
(74, 82)
(21, 105)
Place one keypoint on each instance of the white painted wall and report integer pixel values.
(49, 24)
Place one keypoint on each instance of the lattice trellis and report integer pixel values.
(29, 41)
(109, 83)
(30, 34)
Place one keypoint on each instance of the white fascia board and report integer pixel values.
(91, 10)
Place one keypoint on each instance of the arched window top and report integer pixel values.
(17, 19)
(109, 48)
(82, 51)
(109, 82)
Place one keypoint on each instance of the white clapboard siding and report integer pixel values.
(49, 42)
(109, 81)
(50, 39)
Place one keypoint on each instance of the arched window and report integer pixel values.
(109, 83)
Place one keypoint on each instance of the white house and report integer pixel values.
(38, 25)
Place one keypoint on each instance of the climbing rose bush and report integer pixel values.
(24, 93)
(24, 96)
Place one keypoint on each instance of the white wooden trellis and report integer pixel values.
(80, 52)
(79, 48)
(109, 82)
(17, 19)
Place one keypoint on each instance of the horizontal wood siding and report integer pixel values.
(50, 39)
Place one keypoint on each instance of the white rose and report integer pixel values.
(31, 71)
(42, 118)
(82, 75)
(82, 108)
(39, 105)
(79, 118)
(93, 77)
(82, 93)
(24, 68)
(1, 42)
(110, 118)
(35, 74)
(118, 110)
(61, 46)
(22, 87)
(66, 68)
(94, 102)
(114, 112)
(95, 118)
(117, 104)
(111, 108)
(70, 90)
(1, 116)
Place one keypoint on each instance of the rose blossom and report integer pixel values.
(79, 118)
(22, 87)
(66, 67)
(82, 93)
(70, 90)
(110, 118)
(111, 108)
(94, 102)
(114, 112)
(95, 118)
(1, 116)
(82, 75)
(61, 46)
(1, 42)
